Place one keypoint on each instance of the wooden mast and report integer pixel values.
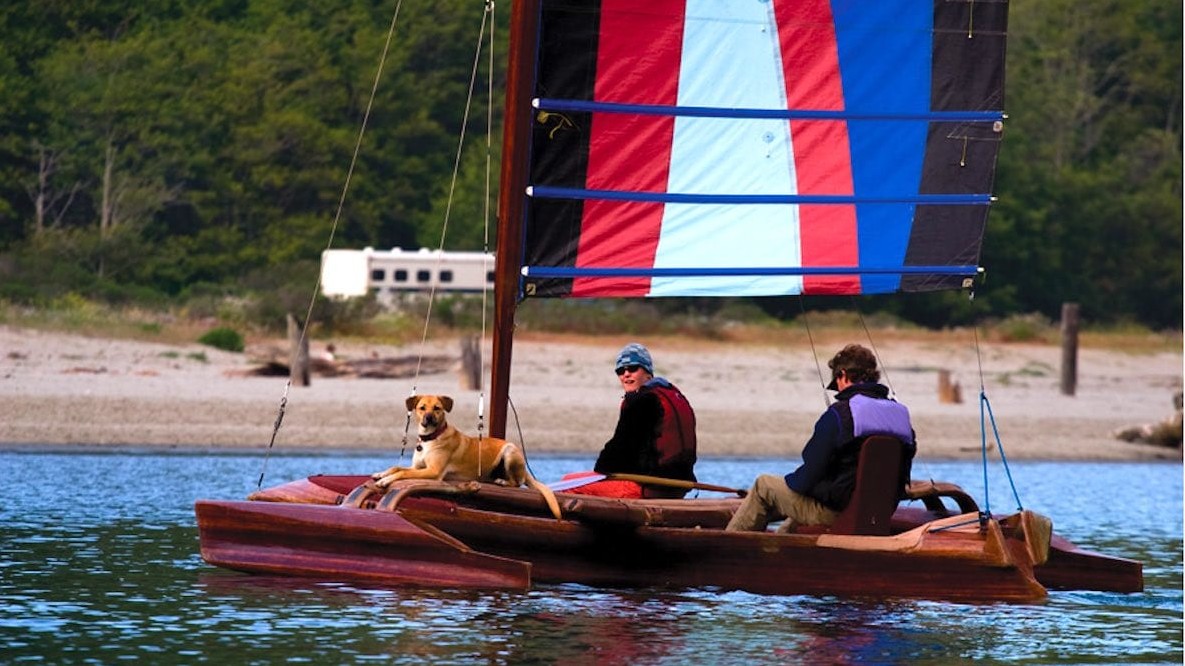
(524, 24)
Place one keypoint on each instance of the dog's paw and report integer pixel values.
(385, 479)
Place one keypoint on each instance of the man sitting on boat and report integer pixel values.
(655, 433)
(821, 487)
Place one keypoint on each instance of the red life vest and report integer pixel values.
(676, 441)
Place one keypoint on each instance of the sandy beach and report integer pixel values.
(69, 390)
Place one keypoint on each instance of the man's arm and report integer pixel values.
(816, 454)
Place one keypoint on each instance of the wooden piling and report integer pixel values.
(948, 392)
(298, 360)
(470, 363)
(1069, 382)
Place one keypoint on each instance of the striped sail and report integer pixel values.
(761, 147)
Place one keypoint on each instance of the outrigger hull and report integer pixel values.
(332, 543)
(494, 537)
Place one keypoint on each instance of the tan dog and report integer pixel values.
(446, 453)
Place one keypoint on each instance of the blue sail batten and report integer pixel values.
(552, 104)
(568, 272)
(547, 192)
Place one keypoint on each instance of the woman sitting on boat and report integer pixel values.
(655, 433)
(821, 487)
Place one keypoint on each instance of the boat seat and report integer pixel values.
(877, 491)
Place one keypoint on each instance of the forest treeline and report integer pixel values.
(173, 150)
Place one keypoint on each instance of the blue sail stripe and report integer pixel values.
(885, 69)
(551, 192)
(551, 104)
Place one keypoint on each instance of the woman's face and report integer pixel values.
(632, 377)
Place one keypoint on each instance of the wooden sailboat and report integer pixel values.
(686, 148)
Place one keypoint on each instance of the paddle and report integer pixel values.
(646, 481)
(569, 484)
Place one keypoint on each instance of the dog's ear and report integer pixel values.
(447, 402)
(411, 402)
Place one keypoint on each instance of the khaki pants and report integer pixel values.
(770, 499)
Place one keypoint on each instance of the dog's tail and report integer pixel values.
(548, 495)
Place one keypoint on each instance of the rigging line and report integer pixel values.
(875, 352)
(341, 204)
(983, 444)
(987, 502)
(521, 440)
(1003, 458)
(978, 356)
(985, 416)
(953, 526)
(406, 429)
(485, 216)
(884, 370)
(814, 352)
(449, 207)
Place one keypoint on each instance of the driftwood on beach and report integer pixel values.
(1162, 433)
(273, 360)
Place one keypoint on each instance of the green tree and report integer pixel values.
(1090, 175)
(173, 148)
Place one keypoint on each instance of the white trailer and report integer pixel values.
(392, 273)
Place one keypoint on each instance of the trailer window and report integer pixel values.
(446, 276)
(423, 276)
(400, 275)
(378, 275)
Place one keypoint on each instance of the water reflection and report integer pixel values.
(118, 577)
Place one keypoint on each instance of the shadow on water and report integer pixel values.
(116, 575)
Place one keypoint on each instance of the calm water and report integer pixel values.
(99, 560)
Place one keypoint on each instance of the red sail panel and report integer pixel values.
(823, 163)
(628, 152)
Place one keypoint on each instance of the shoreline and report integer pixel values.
(347, 452)
(71, 392)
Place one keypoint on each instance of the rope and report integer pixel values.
(341, 203)
(406, 429)
(875, 351)
(814, 353)
(985, 416)
(485, 216)
(522, 444)
(953, 526)
(275, 429)
(486, 15)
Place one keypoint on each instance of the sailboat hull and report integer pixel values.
(503, 538)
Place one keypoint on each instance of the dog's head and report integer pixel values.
(429, 411)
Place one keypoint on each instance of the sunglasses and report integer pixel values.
(627, 368)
